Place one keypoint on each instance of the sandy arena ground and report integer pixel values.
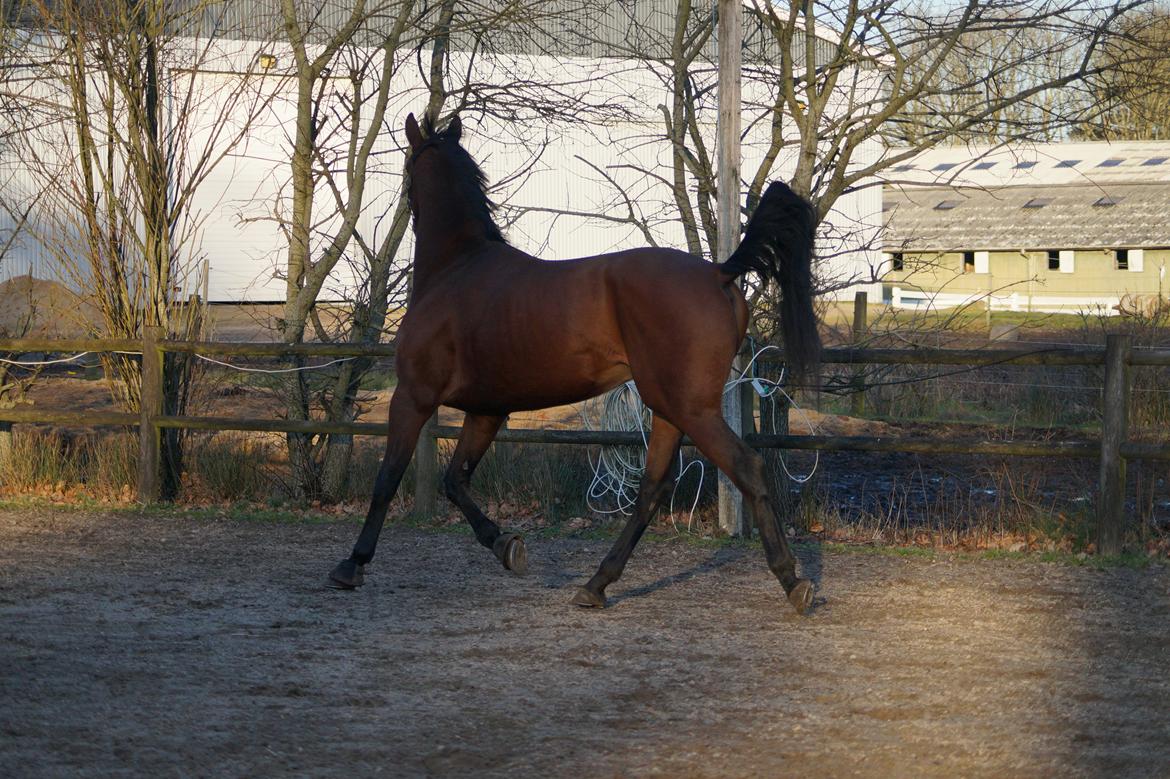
(136, 645)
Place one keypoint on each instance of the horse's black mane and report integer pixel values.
(469, 180)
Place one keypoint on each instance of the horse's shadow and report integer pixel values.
(809, 555)
(721, 557)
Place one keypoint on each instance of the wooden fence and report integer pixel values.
(1113, 449)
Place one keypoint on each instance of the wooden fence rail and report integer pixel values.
(1112, 449)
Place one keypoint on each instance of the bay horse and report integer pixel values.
(491, 330)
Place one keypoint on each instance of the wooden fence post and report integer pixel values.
(729, 44)
(426, 470)
(747, 426)
(732, 516)
(1111, 497)
(150, 405)
(860, 325)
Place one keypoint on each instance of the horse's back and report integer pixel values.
(637, 294)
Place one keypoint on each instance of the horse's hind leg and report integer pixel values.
(661, 455)
(477, 435)
(407, 418)
(745, 468)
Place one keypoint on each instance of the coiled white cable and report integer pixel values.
(766, 388)
(618, 470)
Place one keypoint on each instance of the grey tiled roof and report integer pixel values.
(996, 219)
(1047, 164)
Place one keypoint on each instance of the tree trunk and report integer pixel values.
(335, 470)
(320, 467)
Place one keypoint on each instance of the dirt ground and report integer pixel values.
(168, 645)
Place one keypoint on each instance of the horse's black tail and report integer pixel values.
(778, 244)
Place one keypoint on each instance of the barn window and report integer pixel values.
(985, 166)
(1112, 162)
(897, 261)
(1053, 259)
(1067, 163)
(944, 166)
(1155, 160)
(968, 262)
(1121, 259)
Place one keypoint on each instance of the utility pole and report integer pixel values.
(729, 40)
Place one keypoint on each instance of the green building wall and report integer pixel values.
(1095, 275)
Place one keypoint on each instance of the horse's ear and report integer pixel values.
(413, 134)
(454, 128)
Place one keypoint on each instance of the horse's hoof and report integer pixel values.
(588, 599)
(801, 596)
(348, 575)
(510, 550)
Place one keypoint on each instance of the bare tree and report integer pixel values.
(125, 133)
(828, 83)
(990, 64)
(345, 79)
(446, 58)
(1133, 85)
(831, 116)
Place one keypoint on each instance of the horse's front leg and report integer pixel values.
(407, 418)
(477, 435)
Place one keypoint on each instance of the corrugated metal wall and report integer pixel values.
(234, 209)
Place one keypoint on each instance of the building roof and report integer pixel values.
(1099, 162)
(1070, 216)
(1043, 196)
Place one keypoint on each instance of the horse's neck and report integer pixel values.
(439, 243)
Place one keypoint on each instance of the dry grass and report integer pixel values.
(61, 466)
(1002, 505)
(227, 467)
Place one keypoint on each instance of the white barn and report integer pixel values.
(241, 244)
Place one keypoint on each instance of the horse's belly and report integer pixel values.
(528, 389)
